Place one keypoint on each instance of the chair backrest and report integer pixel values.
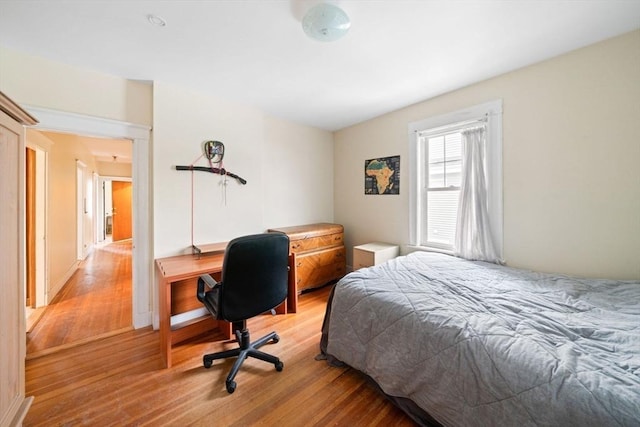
(254, 275)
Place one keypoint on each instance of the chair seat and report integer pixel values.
(254, 280)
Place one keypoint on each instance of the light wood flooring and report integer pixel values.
(118, 381)
(95, 302)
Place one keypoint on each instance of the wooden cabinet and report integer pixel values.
(319, 253)
(13, 404)
(371, 254)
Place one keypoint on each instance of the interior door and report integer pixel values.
(121, 199)
(31, 227)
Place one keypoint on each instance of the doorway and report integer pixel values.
(93, 297)
(143, 268)
(114, 211)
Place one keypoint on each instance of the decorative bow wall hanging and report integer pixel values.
(214, 152)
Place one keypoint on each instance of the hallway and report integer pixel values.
(94, 303)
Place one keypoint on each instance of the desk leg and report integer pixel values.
(292, 297)
(164, 302)
(282, 308)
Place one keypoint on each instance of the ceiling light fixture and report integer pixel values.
(156, 20)
(326, 22)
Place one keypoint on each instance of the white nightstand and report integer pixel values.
(375, 253)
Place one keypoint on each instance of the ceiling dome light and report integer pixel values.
(326, 22)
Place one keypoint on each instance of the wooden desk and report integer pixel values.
(177, 294)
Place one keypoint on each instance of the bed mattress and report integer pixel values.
(474, 343)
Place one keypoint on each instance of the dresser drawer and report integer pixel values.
(313, 243)
(319, 268)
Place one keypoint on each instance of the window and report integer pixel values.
(436, 173)
(443, 165)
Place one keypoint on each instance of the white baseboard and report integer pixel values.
(142, 320)
(60, 283)
(22, 411)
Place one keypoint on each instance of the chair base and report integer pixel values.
(246, 349)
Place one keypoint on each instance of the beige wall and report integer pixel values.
(298, 174)
(571, 162)
(114, 169)
(571, 151)
(38, 82)
(288, 168)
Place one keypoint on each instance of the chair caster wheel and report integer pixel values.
(279, 366)
(231, 386)
(275, 339)
(206, 362)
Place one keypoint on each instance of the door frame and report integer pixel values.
(31, 215)
(41, 206)
(142, 257)
(81, 210)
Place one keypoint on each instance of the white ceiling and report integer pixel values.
(109, 150)
(255, 52)
(102, 149)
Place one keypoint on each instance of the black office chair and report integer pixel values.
(254, 281)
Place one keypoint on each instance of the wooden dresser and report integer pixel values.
(318, 251)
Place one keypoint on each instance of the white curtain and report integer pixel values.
(473, 234)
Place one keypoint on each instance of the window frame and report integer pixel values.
(492, 111)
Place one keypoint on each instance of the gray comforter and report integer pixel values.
(476, 344)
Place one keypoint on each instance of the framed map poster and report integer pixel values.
(382, 176)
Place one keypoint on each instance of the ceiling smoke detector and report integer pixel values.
(156, 20)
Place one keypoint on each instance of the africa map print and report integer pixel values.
(382, 175)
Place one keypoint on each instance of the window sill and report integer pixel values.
(413, 248)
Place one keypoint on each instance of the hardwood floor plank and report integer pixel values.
(119, 381)
(96, 300)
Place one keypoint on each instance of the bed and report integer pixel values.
(463, 343)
